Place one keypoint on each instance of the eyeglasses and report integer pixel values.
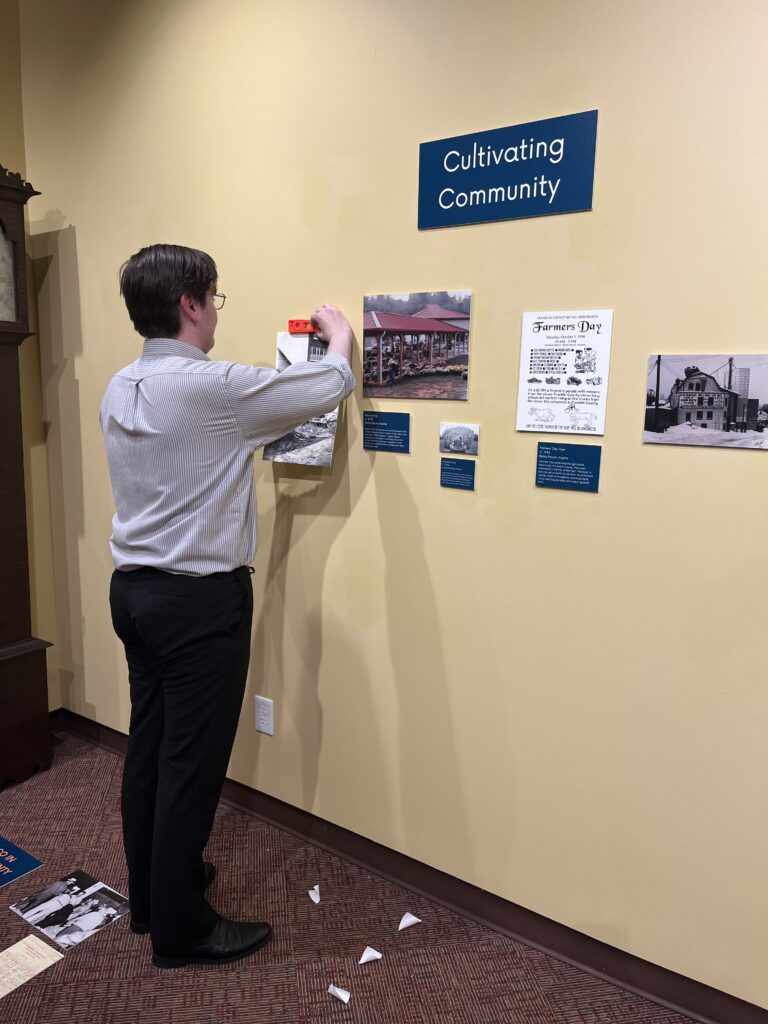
(218, 300)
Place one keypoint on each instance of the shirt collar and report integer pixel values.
(172, 347)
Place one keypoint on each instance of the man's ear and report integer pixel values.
(189, 307)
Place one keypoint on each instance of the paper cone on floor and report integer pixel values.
(339, 993)
(408, 920)
(369, 954)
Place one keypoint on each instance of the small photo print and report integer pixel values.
(72, 908)
(717, 401)
(416, 345)
(461, 438)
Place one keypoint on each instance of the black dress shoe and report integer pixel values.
(209, 873)
(229, 941)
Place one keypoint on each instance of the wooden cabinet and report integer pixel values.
(25, 742)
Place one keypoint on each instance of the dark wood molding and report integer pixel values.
(674, 991)
(15, 193)
(23, 647)
(10, 337)
(25, 734)
(63, 720)
(13, 186)
(15, 619)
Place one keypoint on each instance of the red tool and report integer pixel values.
(300, 327)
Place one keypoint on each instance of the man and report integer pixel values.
(42, 911)
(54, 889)
(180, 432)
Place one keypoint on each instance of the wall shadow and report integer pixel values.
(55, 277)
(430, 781)
(306, 499)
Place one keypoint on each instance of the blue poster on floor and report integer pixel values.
(387, 431)
(569, 467)
(15, 862)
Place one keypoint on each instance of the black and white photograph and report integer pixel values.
(311, 443)
(460, 438)
(72, 908)
(715, 400)
(416, 345)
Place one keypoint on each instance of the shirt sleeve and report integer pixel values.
(268, 403)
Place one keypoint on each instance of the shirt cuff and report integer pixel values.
(344, 369)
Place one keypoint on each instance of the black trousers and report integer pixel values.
(187, 643)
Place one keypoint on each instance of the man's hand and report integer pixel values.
(332, 326)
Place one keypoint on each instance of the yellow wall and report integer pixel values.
(12, 156)
(11, 125)
(531, 690)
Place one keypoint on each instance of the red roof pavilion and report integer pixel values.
(376, 321)
(434, 312)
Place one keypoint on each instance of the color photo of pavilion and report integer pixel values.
(424, 354)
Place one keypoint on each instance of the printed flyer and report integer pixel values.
(23, 961)
(564, 363)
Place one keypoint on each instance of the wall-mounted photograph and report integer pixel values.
(462, 438)
(311, 443)
(416, 345)
(719, 401)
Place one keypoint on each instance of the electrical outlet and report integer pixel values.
(264, 721)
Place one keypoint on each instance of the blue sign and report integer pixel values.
(15, 862)
(569, 467)
(387, 431)
(457, 473)
(529, 170)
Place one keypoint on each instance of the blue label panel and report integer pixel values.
(528, 170)
(569, 467)
(15, 862)
(457, 473)
(387, 431)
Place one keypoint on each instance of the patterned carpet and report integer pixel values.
(447, 970)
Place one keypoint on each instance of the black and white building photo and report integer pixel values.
(713, 400)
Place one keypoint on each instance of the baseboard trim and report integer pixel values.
(673, 991)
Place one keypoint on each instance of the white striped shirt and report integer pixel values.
(180, 431)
